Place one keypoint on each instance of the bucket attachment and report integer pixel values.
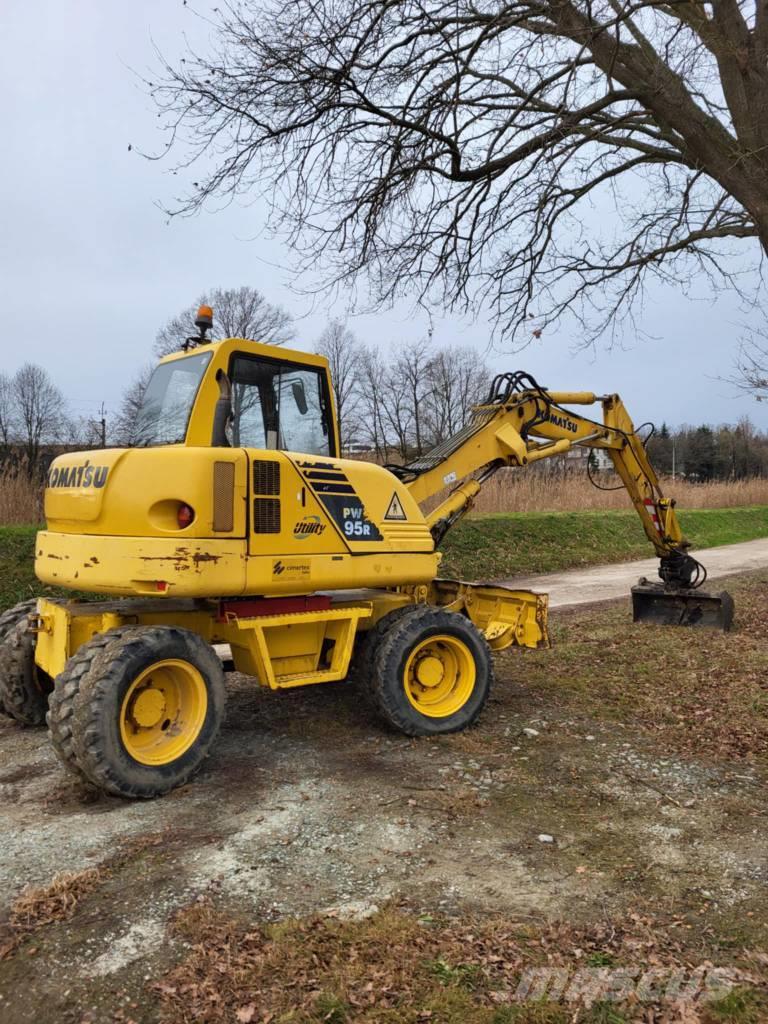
(653, 602)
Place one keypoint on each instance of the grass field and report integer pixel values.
(485, 546)
(499, 546)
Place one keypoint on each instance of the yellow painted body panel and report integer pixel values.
(321, 523)
(134, 566)
(140, 490)
(150, 566)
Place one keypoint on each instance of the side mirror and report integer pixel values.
(299, 396)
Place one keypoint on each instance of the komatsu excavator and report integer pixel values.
(234, 520)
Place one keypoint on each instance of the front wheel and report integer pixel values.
(432, 672)
(146, 711)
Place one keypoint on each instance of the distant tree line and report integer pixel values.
(710, 453)
(34, 417)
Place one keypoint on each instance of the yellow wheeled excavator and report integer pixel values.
(233, 520)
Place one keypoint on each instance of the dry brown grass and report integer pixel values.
(515, 491)
(698, 693)
(21, 499)
(41, 905)
(397, 968)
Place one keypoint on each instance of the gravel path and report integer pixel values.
(607, 582)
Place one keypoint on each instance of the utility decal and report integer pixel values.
(78, 476)
(291, 569)
(309, 526)
(396, 510)
(562, 421)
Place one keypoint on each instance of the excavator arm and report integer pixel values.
(522, 423)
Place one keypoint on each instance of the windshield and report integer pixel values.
(165, 409)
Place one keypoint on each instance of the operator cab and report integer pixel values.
(275, 402)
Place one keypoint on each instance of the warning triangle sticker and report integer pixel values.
(395, 510)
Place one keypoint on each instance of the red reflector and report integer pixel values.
(185, 516)
(161, 585)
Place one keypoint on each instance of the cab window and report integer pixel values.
(279, 405)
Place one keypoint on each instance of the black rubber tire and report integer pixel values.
(391, 655)
(96, 744)
(61, 703)
(13, 615)
(8, 620)
(24, 688)
(361, 666)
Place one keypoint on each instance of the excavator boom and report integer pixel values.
(522, 423)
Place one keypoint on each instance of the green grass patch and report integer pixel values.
(504, 545)
(741, 1006)
(17, 567)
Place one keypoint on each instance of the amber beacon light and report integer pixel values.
(204, 320)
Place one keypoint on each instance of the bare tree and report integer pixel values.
(6, 411)
(237, 313)
(752, 367)
(458, 380)
(411, 372)
(343, 352)
(418, 397)
(539, 156)
(372, 388)
(126, 421)
(39, 410)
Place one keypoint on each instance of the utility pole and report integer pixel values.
(103, 425)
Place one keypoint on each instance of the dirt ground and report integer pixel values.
(546, 811)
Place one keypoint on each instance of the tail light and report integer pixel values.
(185, 516)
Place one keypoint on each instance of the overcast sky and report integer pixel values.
(90, 267)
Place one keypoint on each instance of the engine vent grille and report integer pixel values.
(266, 515)
(223, 497)
(266, 477)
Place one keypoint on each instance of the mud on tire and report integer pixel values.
(91, 719)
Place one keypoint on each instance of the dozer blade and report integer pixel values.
(653, 603)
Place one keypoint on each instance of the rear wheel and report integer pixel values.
(24, 688)
(10, 618)
(361, 667)
(146, 711)
(432, 672)
(61, 703)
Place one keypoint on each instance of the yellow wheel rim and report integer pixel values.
(163, 712)
(440, 676)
